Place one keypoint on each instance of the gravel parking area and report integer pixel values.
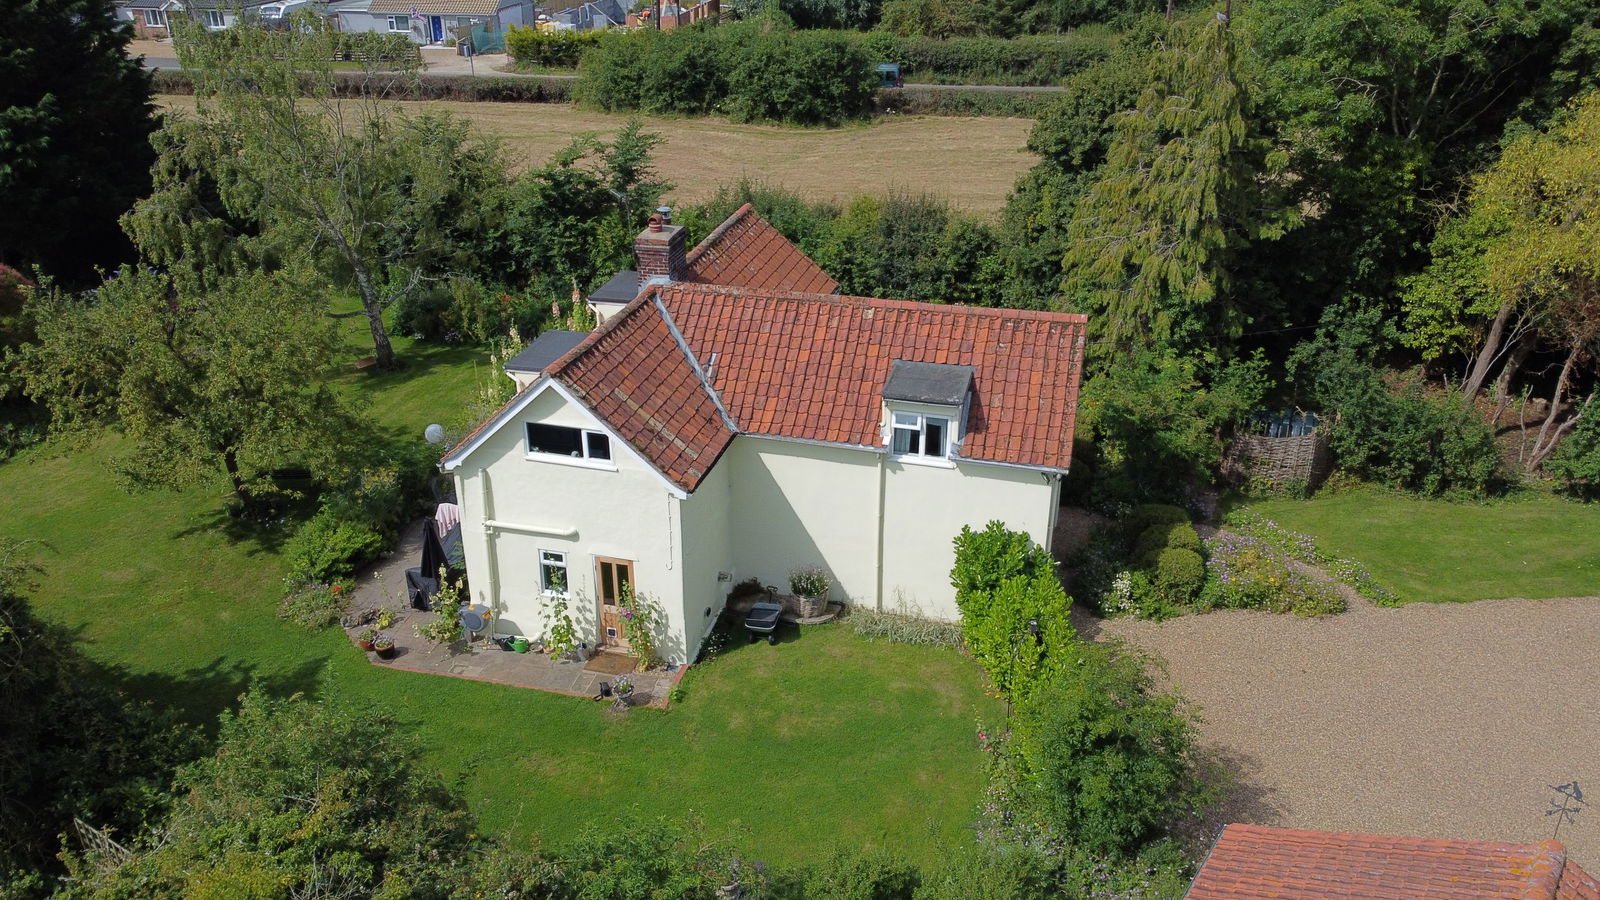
(1440, 720)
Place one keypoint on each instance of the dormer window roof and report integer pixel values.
(940, 384)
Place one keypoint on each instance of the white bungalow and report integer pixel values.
(735, 417)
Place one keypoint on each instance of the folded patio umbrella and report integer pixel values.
(432, 551)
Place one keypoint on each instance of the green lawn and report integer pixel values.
(782, 750)
(1443, 551)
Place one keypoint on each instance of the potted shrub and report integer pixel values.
(811, 585)
(364, 639)
(383, 645)
(623, 688)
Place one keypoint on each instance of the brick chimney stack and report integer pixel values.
(659, 252)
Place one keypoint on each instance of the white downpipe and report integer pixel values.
(488, 545)
(882, 487)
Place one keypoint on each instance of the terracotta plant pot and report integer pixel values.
(384, 652)
(364, 645)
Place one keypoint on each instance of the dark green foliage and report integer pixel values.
(75, 122)
(555, 49)
(1576, 462)
(1101, 757)
(990, 60)
(1395, 432)
(912, 248)
(303, 795)
(423, 87)
(808, 225)
(313, 606)
(1148, 515)
(328, 548)
(1154, 443)
(1161, 536)
(755, 71)
(976, 102)
(862, 875)
(1015, 616)
(811, 14)
(1179, 574)
(74, 746)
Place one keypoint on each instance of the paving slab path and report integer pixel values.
(1441, 720)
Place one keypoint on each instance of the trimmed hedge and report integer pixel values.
(911, 101)
(424, 87)
(556, 49)
(749, 71)
(1024, 61)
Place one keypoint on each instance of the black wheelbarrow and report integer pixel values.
(762, 620)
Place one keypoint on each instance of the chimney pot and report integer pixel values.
(655, 221)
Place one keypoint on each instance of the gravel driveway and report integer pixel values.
(1440, 720)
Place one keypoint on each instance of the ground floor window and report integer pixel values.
(399, 23)
(553, 571)
(212, 18)
(155, 18)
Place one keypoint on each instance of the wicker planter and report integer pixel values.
(810, 607)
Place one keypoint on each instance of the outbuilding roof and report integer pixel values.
(745, 251)
(1254, 862)
(545, 349)
(438, 7)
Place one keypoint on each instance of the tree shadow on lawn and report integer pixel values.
(200, 693)
(264, 529)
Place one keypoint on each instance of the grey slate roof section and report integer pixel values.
(918, 382)
(545, 349)
(623, 287)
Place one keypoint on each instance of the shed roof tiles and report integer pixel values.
(747, 252)
(1253, 862)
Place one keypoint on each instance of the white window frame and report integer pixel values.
(213, 18)
(554, 559)
(585, 436)
(400, 18)
(154, 18)
(903, 419)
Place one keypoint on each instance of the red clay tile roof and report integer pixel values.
(747, 252)
(1253, 861)
(633, 373)
(813, 366)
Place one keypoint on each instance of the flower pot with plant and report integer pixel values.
(383, 645)
(811, 585)
(623, 688)
(364, 639)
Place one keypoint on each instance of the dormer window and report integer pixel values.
(925, 403)
(574, 443)
(919, 434)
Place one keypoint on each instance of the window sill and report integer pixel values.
(932, 462)
(577, 462)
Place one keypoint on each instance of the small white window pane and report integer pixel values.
(933, 437)
(598, 445)
(553, 571)
(906, 440)
(911, 419)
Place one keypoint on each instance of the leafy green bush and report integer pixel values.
(1159, 537)
(754, 71)
(1179, 574)
(1576, 461)
(862, 874)
(422, 87)
(315, 605)
(1034, 60)
(1100, 756)
(1015, 616)
(555, 49)
(328, 548)
(903, 629)
(915, 101)
(1303, 547)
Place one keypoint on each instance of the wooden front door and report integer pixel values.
(611, 576)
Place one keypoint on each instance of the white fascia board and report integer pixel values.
(460, 455)
(1050, 470)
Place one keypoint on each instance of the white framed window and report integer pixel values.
(463, 21)
(919, 434)
(155, 18)
(553, 572)
(212, 18)
(573, 443)
(400, 23)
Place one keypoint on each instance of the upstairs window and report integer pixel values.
(576, 443)
(916, 434)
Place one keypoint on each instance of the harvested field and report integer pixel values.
(1440, 720)
(970, 162)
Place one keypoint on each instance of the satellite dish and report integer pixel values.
(434, 433)
(474, 617)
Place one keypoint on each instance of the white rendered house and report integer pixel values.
(720, 426)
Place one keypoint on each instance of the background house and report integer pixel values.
(153, 18)
(430, 21)
(718, 427)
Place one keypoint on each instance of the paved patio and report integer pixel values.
(384, 585)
